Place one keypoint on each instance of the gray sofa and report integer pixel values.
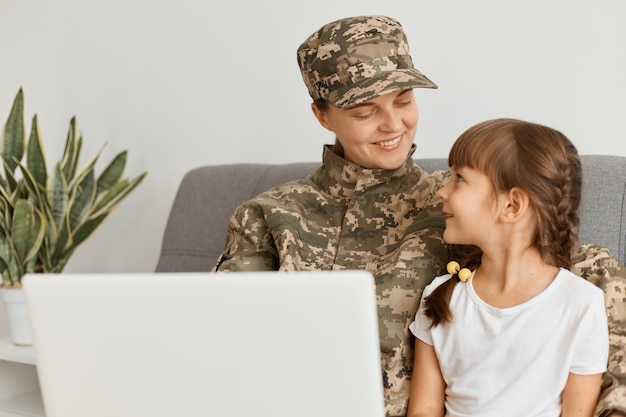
(196, 228)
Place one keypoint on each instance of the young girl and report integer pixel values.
(510, 331)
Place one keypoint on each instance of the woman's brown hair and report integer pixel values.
(323, 106)
(538, 159)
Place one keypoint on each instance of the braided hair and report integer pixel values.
(536, 158)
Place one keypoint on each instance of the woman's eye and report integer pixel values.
(364, 115)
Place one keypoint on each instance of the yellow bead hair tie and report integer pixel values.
(460, 274)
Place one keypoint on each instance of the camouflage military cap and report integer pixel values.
(352, 60)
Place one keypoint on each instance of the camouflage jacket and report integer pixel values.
(597, 265)
(346, 217)
(389, 223)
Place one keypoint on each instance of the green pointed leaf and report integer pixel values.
(104, 201)
(32, 266)
(5, 195)
(85, 230)
(5, 215)
(71, 152)
(112, 173)
(45, 216)
(28, 231)
(12, 138)
(116, 194)
(89, 166)
(57, 194)
(6, 279)
(11, 181)
(8, 265)
(35, 158)
(63, 242)
(34, 191)
(51, 235)
(82, 199)
(45, 255)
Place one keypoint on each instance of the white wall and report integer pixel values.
(196, 82)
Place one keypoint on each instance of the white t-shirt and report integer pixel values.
(515, 361)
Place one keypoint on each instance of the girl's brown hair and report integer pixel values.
(537, 159)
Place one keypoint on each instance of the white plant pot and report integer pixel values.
(17, 316)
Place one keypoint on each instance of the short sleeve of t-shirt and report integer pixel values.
(591, 341)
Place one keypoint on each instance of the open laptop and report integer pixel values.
(263, 344)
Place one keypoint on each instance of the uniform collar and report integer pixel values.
(342, 177)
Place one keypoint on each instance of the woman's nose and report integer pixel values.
(391, 122)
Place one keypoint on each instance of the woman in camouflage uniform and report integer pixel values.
(369, 206)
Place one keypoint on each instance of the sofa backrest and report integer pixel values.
(195, 232)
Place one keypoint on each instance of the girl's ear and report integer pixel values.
(515, 205)
(320, 116)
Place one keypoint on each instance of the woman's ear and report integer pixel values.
(515, 204)
(320, 116)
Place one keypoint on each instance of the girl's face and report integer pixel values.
(376, 134)
(470, 205)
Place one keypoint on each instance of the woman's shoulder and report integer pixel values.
(297, 186)
(283, 195)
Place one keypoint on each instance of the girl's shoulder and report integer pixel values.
(578, 287)
(436, 283)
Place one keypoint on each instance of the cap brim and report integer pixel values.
(367, 89)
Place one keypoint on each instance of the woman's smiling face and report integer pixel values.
(376, 134)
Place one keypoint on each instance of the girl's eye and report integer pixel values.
(459, 178)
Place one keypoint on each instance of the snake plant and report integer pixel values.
(45, 216)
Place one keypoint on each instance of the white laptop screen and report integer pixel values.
(189, 344)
